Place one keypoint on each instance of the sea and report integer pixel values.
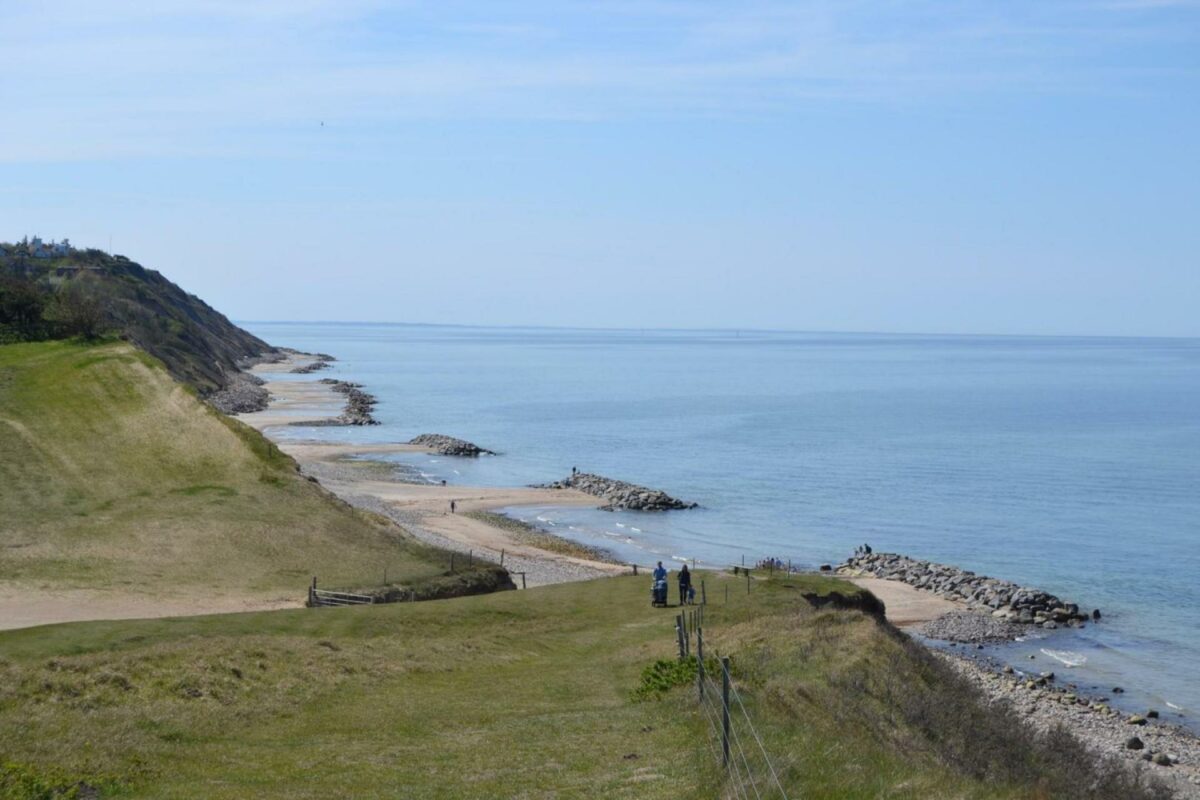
(1071, 464)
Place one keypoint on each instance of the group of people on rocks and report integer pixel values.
(771, 563)
(687, 592)
(862, 550)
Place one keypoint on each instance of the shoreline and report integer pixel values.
(347, 470)
(422, 509)
(1166, 751)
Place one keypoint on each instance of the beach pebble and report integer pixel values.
(1152, 714)
(1162, 759)
(1136, 720)
(1134, 743)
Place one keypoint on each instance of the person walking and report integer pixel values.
(453, 507)
(685, 585)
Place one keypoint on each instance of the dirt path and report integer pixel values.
(43, 607)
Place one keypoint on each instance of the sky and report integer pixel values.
(961, 166)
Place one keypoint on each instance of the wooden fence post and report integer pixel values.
(312, 592)
(725, 711)
(703, 595)
(471, 558)
(679, 633)
(727, 594)
(700, 661)
(452, 561)
(502, 556)
(747, 581)
(635, 570)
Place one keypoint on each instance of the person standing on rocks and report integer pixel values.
(685, 585)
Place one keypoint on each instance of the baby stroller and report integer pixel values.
(658, 593)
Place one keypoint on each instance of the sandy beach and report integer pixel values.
(423, 509)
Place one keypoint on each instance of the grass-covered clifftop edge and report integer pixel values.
(125, 495)
(533, 694)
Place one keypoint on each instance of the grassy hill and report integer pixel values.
(117, 477)
(198, 344)
(519, 694)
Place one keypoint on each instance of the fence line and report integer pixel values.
(748, 765)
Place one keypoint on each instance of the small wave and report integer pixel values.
(456, 472)
(620, 525)
(1066, 657)
(635, 530)
(542, 519)
(1172, 705)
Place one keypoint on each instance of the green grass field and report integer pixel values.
(517, 694)
(116, 477)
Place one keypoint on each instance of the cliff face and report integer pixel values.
(198, 344)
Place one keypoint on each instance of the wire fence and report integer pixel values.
(731, 735)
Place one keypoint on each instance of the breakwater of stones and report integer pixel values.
(620, 494)
(450, 446)
(1004, 600)
(321, 361)
(359, 404)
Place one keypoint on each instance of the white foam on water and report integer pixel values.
(1066, 657)
(636, 530)
(456, 472)
(542, 519)
(1172, 705)
(620, 525)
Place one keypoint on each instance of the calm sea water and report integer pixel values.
(1071, 464)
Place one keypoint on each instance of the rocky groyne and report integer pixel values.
(450, 446)
(620, 494)
(1004, 600)
(320, 361)
(357, 410)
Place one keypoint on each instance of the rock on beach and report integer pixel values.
(359, 404)
(1003, 600)
(450, 446)
(243, 394)
(619, 494)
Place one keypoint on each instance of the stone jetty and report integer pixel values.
(1002, 599)
(620, 494)
(359, 404)
(322, 361)
(450, 446)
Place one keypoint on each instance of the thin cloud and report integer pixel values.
(202, 76)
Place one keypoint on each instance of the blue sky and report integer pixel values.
(1013, 167)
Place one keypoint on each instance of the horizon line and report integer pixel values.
(666, 329)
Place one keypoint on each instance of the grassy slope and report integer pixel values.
(518, 694)
(114, 476)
